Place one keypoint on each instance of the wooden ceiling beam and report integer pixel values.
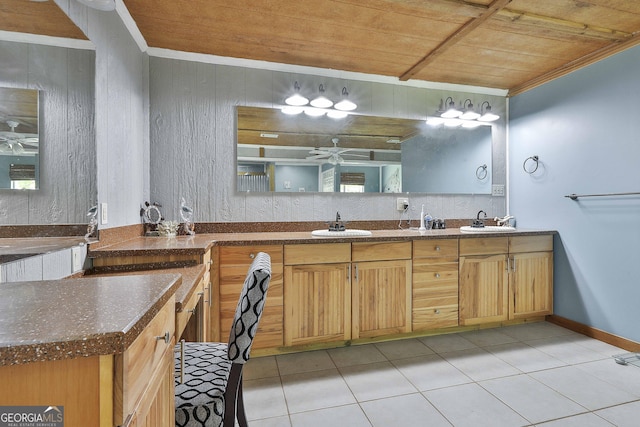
(577, 64)
(456, 37)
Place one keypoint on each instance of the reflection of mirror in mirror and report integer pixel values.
(19, 139)
(284, 153)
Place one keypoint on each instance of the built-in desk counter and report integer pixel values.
(101, 348)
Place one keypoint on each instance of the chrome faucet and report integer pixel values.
(503, 221)
(479, 223)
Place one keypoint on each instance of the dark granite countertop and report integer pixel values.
(201, 243)
(63, 319)
(190, 278)
(13, 249)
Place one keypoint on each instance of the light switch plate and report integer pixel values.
(103, 213)
(76, 259)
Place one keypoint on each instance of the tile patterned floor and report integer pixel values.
(536, 374)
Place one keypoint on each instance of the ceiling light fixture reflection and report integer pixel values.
(335, 114)
(314, 112)
(291, 110)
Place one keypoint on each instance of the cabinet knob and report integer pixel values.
(436, 311)
(166, 337)
(437, 248)
(252, 256)
(438, 275)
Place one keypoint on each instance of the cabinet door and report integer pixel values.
(381, 298)
(530, 288)
(157, 406)
(483, 289)
(234, 264)
(317, 303)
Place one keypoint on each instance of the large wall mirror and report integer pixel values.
(19, 139)
(294, 153)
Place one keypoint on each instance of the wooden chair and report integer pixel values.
(211, 391)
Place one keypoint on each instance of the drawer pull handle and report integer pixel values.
(437, 275)
(192, 311)
(166, 337)
(208, 290)
(436, 311)
(252, 256)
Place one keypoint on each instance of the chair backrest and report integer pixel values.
(249, 309)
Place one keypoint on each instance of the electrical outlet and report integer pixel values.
(402, 203)
(103, 213)
(497, 190)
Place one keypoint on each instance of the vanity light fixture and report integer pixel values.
(468, 111)
(451, 112)
(487, 116)
(321, 101)
(345, 104)
(296, 99)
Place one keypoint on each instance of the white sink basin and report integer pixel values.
(487, 229)
(345, 233)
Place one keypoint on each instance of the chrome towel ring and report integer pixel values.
(481, 172)
(534, 159)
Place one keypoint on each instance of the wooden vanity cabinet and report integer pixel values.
(530, 276)
(135, 388)
(483, 280)
(435, 284)
(505, 278)
(234, 263)
(317, 293)
(144, 381)
(380, 289)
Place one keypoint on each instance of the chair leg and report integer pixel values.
(240, 414)
(231, 395)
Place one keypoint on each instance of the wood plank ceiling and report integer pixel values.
(504, 44)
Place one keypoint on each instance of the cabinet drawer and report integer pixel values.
(139, 362)
(183, 316)
(435, 272)
(435, 248)
(484, 246)
(380, 251)
(244, 255)
(522, 244)
(317, 253)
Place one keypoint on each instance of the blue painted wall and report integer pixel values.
(585, 128)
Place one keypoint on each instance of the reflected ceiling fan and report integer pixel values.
(17, 143)
(333, 154)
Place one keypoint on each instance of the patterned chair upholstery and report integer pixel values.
(211, 394)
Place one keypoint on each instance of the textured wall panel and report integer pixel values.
(185, 108)
(68, 153)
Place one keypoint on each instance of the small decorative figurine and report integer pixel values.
(186, 213)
